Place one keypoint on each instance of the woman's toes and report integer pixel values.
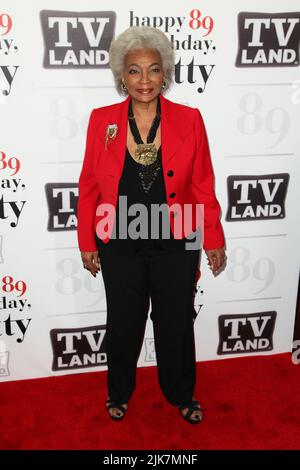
(116, 412)
(197, 415)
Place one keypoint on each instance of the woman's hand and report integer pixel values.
(91, 261)
(216, 258)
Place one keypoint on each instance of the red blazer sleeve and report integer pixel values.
(203, 188)
(89, 192)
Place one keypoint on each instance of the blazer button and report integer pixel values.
(170, 173)
(172, 194)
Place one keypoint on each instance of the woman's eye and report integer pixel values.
(132, 71)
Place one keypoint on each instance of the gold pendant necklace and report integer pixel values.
(145, 154)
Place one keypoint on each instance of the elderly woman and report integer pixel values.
(148, 151)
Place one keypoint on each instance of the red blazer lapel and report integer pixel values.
(175, 128)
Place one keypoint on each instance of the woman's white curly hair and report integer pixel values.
(140, 37)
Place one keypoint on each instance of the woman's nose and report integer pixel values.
(144, 77)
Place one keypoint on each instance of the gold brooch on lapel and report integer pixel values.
(111, 132)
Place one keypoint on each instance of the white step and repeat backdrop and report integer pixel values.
(238, 62)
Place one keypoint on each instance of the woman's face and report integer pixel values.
(143, 74)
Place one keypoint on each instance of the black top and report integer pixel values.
(142, 184)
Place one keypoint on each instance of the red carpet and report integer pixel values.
(249, 403)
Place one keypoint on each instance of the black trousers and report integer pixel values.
(130, 280)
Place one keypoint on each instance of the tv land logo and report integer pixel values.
(76, 348)
(256, 197)
(268, 39)
(77, 39)
(249, 333)
(62, 199)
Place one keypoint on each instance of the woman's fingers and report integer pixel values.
(220, 258)
(91, 261)
(96, 259)
(216, 258)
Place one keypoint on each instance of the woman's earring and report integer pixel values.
(164, 85)
(124, 87)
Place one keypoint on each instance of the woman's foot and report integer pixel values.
(192, 413)
(115, 410)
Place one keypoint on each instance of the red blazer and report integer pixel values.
(187, 168)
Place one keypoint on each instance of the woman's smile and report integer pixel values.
(146, 91)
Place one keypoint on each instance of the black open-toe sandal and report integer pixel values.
(192, 406)
(111, 404)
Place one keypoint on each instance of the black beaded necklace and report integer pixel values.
(146, 154)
